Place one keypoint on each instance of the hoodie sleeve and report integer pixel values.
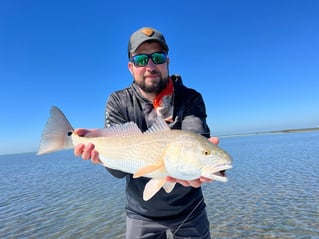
(190, 111)
(194, 119)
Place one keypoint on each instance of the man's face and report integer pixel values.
(151, 78)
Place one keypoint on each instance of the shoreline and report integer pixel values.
(283, 131)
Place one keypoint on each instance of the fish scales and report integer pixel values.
(130, 153)
(157, 153)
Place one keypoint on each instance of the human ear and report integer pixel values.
(130, 67)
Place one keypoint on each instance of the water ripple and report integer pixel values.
(273, 192)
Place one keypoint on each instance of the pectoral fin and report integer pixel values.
(149, 169)
(152, 187)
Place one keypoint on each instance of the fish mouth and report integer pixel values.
(220, 176)
(218, 172)
(222, 173)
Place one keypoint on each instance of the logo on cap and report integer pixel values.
(148, 31)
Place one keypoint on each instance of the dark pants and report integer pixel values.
(196, 227)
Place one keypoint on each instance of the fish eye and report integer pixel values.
(206, 152)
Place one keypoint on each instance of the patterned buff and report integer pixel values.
(164, 102)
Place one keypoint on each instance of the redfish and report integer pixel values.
(157, 153)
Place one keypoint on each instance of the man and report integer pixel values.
(154, 93)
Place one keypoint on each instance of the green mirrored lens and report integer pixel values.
(140, 60)
(158, 58)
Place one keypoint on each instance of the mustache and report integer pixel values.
(153, 72)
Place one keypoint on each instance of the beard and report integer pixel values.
(153, 87)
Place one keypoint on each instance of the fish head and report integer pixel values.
(191, 156)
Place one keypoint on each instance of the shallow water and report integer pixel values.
(273, 189)
(273, 192)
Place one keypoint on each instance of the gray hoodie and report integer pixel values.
(189, 114)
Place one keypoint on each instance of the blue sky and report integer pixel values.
(256, 63)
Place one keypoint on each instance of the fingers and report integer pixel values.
(91, 132)
(198, 182)
(170, 179)
(81, 132)
(190, 183)
(175, 180)
(78, 150)
(195, 183)
(214, 140)
(87, 152)
(205, 180)
(95, 157)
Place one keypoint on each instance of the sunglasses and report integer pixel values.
(141, 60)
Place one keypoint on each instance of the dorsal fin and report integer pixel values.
(158, 126)
(130, 128)
(127, 129)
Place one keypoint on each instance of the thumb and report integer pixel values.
(81, 132)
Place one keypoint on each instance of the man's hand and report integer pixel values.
(87, 151)
(196, 183)
(214, 140)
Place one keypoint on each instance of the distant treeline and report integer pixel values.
(293, 130)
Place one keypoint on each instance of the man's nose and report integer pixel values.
(150, 64)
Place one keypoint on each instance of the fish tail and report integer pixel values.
(56, 134)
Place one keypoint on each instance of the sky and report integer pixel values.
(256, 63)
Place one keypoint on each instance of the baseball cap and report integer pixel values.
(145, 34)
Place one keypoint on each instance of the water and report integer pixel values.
(273, 192)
